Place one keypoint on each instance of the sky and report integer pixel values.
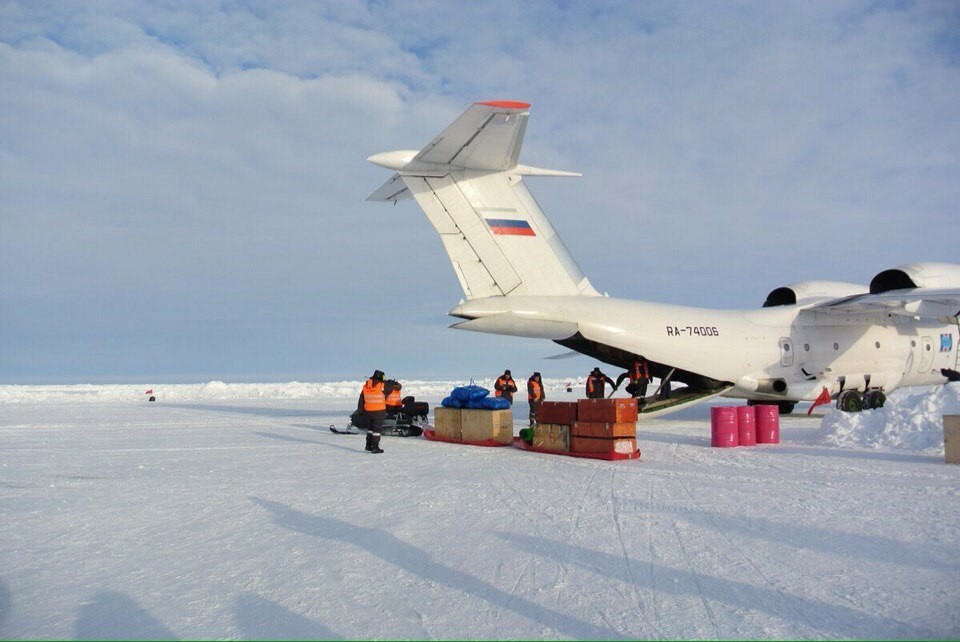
(182, 184)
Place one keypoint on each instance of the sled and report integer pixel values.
(522, 445)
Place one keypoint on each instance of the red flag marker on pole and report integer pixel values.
(822, 399)
(149, 392)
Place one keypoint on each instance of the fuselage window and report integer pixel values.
(806, 347)
(877, 344)
(836, 346)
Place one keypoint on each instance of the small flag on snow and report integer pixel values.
(822, 399)
(149, 392)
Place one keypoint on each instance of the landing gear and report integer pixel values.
(850, 401)
(784, 407)
(873, 399)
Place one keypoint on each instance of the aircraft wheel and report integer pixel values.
(786, 407)
(873, 399)
(850, 401)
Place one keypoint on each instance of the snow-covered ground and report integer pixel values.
(230, 511)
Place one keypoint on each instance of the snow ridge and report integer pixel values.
(218, 390)
(906, 422)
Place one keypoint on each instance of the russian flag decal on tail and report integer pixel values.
(510, 227)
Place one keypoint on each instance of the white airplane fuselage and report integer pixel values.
(802, 349)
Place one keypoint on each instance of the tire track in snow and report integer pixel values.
(738, 548)
(691, 569)
(634, 594)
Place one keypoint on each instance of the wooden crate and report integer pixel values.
(558, 412)
(604, 430)
(951, 439)
(552, 437)
(446, 422)
(484, 425)
(599, 445)
(602, 411)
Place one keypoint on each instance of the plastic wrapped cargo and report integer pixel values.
(469, 393)
(452, 402)
(488, 403)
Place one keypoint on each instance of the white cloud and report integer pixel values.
(203, 164)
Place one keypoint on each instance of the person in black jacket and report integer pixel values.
(596, 384)
(639, 376)
(505, 386)
(535, 396)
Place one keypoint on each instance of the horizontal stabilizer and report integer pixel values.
(393, 190)
(570, 354)
(511, 324)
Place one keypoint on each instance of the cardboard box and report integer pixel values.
(552, 437)
(597, 445)
(604, 430)
(484, 425)
(446, 422)
(951, 439)
(603, 411)
(558, 412)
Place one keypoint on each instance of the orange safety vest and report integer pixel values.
(500, 382)
(537, 392)
(373, 396)
(393, 399)
(639, 371)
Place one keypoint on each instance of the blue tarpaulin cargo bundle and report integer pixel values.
(450, 402)
(474, 397)
(489, 403)
(469, 393)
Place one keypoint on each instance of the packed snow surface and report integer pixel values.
(230, 511)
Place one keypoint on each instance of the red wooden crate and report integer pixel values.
(558, 412)
(612, 411)
(604, 430)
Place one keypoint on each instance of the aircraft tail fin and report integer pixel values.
(469, 184)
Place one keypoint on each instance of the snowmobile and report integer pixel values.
(409, 421)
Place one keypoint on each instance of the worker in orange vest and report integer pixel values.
(639, 375)
(535, 396)
(505, 386)
(373, 408)
(596, 384)
(393, 400)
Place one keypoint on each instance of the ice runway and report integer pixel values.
(247, 518)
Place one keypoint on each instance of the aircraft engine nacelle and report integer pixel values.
(917, 275)
(806, 292)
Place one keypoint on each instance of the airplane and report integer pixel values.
(856, 342)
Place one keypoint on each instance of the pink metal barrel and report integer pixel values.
(723, 427)
(747, 425)
(768, 424)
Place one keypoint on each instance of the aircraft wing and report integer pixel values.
(914, 302)
(487, 136)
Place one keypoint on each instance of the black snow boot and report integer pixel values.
(375, 444)
(369, 447)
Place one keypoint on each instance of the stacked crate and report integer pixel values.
(552, 432)
(587, 426)
(473, 426)
(605, 426)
